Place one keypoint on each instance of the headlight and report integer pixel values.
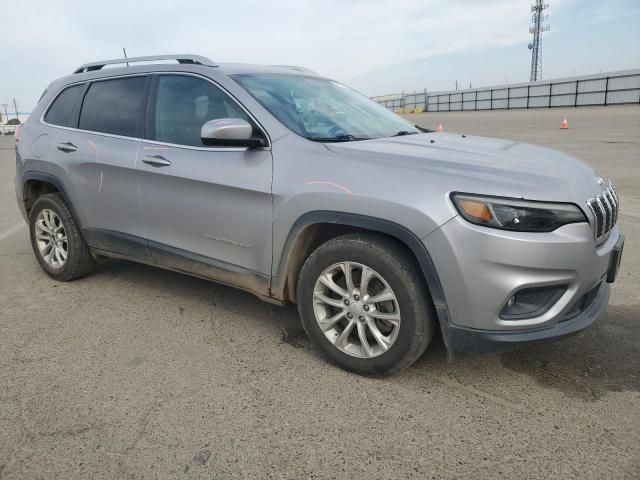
(513, 214)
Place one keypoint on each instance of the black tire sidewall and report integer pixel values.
(400, 277)
(53, 203)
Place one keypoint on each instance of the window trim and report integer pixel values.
(139, 128)
(75, 115)
(150, 116)
(151, 100)
(87, 84)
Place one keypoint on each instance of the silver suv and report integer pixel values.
(298, 189)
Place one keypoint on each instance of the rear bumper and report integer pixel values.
(18, 182)
(21, 207)
(486, 341)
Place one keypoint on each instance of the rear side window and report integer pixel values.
(113, 106)
(61, 109)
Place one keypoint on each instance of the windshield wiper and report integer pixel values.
(339, 138)
(402, 133)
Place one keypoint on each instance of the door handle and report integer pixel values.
(156, 160)
(67, 147)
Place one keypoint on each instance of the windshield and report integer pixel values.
(322, 110)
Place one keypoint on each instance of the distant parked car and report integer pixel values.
(298, 189)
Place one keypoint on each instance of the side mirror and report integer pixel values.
(230, 132)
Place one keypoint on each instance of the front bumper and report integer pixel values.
(486, 341)
(481, 268)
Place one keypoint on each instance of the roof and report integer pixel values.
(234, 68)
(190, 59)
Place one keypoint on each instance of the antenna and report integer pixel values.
(536, 28)
(125, 55)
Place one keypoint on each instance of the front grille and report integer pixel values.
(605, 209)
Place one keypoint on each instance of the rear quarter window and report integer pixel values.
(61, 109)
(113, 106)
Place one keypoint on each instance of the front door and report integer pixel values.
(207, 211)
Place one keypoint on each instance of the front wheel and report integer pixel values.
(364, 303)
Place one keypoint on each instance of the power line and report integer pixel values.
(536, 28)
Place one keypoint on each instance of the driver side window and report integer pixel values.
(184, 104)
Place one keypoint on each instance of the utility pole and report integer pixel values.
(536, 28)
(15, 108)
(6, 115)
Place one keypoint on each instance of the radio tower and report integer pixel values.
(536, 28)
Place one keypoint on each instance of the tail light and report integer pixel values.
(17, 133)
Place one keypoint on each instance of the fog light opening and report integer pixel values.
(531, 302)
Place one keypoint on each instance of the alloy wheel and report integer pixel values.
(356, 309)
(51, 238)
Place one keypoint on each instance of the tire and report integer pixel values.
(391, 269)
(51, 210)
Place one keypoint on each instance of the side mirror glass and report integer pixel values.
(230, 132)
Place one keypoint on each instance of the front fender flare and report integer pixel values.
(417, 247)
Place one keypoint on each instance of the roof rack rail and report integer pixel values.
(186, 58)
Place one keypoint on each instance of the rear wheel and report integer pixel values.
(56, 239)
(364, 303)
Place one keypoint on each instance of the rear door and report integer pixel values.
(207, 210)
(98, 155)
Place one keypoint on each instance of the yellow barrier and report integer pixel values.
(405, 110)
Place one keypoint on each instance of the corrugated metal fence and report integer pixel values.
(599, 89)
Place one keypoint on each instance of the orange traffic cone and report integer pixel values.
(565, 124)
(440, 129)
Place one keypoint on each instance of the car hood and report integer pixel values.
(480, 165)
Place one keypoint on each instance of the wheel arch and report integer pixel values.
(314, 228)
(36, 184)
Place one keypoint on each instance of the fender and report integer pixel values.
(53, 180)
(372, 224)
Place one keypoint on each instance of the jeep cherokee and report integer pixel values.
(294, 187)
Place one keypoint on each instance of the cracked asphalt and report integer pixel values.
(136, 372)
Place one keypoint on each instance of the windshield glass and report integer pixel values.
(322, 110)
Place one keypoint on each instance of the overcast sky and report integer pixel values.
(377, 46)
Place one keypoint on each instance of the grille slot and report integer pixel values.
(605, 208)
